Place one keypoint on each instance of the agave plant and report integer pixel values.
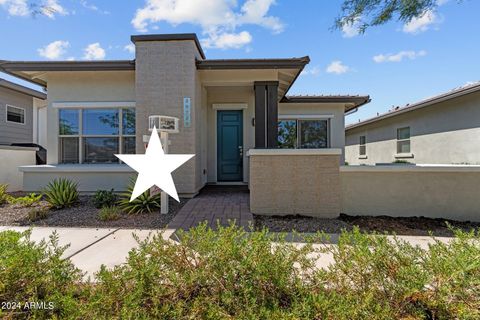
(61, 193)
(146, 202)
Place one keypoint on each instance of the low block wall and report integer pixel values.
(10, 159)
(90, 178)
(288, 182)
(449, 192)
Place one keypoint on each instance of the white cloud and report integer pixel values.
(54, 50)
(130, 48)
(398, 57)
(313, 71)
(350, 30)
(94, 52)
(337, 67)
(49, 8)
(227, 40)
(219, 19)
(422, 23)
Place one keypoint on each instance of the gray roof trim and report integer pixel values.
(421, 104)
(103, 65)
(230, 64)
(355, 101)
(19, 88)
(170, 37)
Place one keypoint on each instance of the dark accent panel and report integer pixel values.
(272, 116)
(260, 110)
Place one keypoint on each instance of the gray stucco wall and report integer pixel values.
(15, 132)
(445, 133)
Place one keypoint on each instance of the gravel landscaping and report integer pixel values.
(84, 214)
(415, 226)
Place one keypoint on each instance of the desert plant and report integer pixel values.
(61, 193)
(104, 198)
(4, 196)
(109, 213)
(27, 201)
(146, 202)
(36, 214)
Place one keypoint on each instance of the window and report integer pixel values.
(363, 146)
(303, 134)
(95, 135)
(403, 140)
(15, 114)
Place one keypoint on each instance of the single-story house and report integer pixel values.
(444, 129)
(19, 113)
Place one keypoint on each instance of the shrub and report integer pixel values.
(27, 201)
(146, 202)
(104, 198)
(4, 196)
(36, 214)
(61, 193)
(109, 213)
(35, 272)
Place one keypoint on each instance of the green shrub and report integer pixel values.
(26, 201)
(146, 202)
(31, 272)
(4, 196)
(109, 213)
(36, 214)
(104, 198)
(61, 193)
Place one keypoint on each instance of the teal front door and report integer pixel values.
(229, 145)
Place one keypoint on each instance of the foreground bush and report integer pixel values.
(232, 274)
(61, 193)
(35, 273)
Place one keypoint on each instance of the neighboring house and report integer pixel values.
(19, 112)
(444, 129)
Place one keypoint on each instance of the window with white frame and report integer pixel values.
(403, 140)
(95, 135)
(303, 133)
(15, 114)
(363, 146)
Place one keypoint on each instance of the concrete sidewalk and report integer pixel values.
(92, 247)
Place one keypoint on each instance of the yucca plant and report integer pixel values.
(146, 202)
(61, 193)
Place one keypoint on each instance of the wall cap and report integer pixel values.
(411, 168)
(4, 147)
(70, 168)
(294, 152)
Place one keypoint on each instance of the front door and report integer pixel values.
(229, 145)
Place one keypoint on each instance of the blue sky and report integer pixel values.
(395, 64)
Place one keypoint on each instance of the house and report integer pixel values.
(19, 111)
(233, 114)
(444, 129)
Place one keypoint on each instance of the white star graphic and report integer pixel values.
(154, 167)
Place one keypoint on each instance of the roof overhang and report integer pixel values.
(350, 102)
(31, 70)
(421, 104)
(286, 70)
(21, 89)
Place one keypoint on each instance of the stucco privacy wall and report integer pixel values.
(15, 132)
(165, 75)
(437, 192)
(444, 133)
(84, 86)
(10, 159)
(287, 181)
(89, 178)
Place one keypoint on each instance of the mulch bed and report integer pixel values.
(415, 226)
(84, 214)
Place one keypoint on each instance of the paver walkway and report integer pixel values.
(215, 205)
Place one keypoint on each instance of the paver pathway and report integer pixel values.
(215, 205)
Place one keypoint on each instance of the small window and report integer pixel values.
(287, 134)
(363, 146)
(403, 140)
(303, 134)
(15, 114)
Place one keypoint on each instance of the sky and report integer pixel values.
(394, 63)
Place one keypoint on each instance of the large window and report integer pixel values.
(363, 146)
(95, 135)
(304, 134)
(403, 140)
(15, 114)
